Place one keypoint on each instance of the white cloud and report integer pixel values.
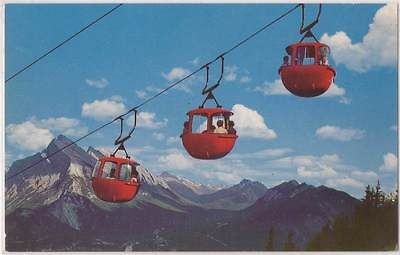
(28, 136)
(176, 73)
(345, 100)
(103, 109)
(231, 73)
(60, 123)
(158, 136)
(141, 94)
(316, 171)
(262, 154)
(334, 91)
(366, 176)
(67, 126)
(100, 83)
(35, 134)
(308, 161)
(377, 48)
(234, 73)
(389, 162)
(176, 161)
(195, 61)
(245, 79)
(225, 177)
(249, 123)
(148, 120)
(331, 158)
(339, 134)
(273, 88)
(173, 139)
(344, 182)
(272, 153)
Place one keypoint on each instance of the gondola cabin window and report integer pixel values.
(305, 55)
(96, 169)
(125, 172)
(109, 170)
(199, 124)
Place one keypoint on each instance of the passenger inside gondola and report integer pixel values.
(220, 128)
(231, 129)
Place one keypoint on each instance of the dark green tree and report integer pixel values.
(270, 240)
(289, 244)
(373, 226)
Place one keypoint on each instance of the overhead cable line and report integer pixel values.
(62, 43)
(162, 91)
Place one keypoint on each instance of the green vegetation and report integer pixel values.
(270, 240)
(372, 227)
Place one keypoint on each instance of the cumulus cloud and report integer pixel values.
(175, 74)
(35, 134)
(195, 61)
(308, 161)
(262, 154)
(249, 123)
(344, 182)
(339, 134)
(316, 170)
(272, 153)
(377, 47)
(158, 136)
(365, 176)
(231, 73)
(272, 88)
(100, 83)
(389, 162)
(334, 91)
(60, 123)
(103, 109)
(148, 120)
(173, 140)
(176, 161)
(245, 79)
(226, 177)
(234, 73)
(28, 136)
(67, 126)
(142, 94)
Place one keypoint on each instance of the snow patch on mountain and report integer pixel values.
(198, 188)
(41, 183)
(94, 153)
(75, 170)
(151, 179)
(12, 192)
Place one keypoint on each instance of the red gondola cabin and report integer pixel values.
(200, 138)
(305, 71)
(115, 179)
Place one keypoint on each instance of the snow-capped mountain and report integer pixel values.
(43, 183)
(186, 187)
(51, 206)
(94, 153)
(236, 197)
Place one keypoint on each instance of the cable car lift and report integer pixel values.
(115, 179)
(305, 71)
(213, 142)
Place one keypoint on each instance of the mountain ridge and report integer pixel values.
(161, 217)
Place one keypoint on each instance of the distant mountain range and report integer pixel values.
(52, 207)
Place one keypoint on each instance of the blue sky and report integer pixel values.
(344, 139)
